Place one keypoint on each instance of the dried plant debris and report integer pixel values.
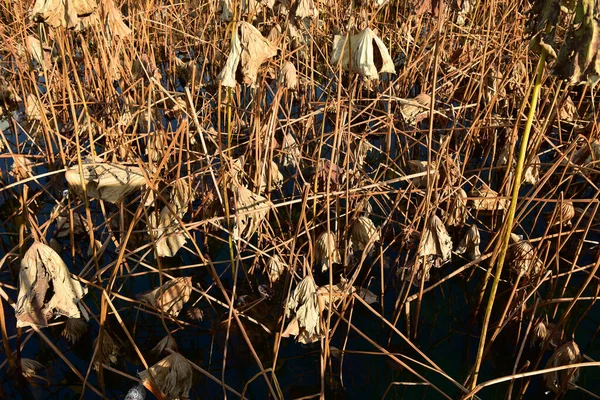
(182, 195)
(275, 268)
(34, 108)
(172, 376)
(363, 53)
(65, 13)
(487, 199)
(523, 259)
(171, 296)
(469, 245)
(456, 216)
(303, 308)
(22, 168)
(436, 244)
(418, 167)
(110, 349)
(107, 181)
(306, 9)
(168, 342)
(271, 177)
(74, 329)
(288, 77)
(249, 50)
(326, 250)
(30, 367)
(416, 109)
(562, 380)
(251, 210)
(46, 288)
(364, 234)
(563, 213)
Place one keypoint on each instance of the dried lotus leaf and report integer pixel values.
(469, 245)
(113, 22)
(182, 195)
(524, 260)
(251, 210)
(306, 9)
(44, 273)
(487, 199)
(563, 213)
(416, 109)
(457, 214)
(170, 237)
(66, 13)
(275, 268)
(171, 296)
(22, 168)
(326, 250)
(567, 354)
(172, 376)
(364, 233)
(288, 77)
(107, 181)
(363, 53)
(249, 50)
(436, 242)
(304, 306)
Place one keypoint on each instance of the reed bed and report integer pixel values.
(305, 199)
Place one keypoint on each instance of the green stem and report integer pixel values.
(511, 213)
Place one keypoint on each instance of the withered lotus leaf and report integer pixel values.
(171, 296)
(46, 288)
(106, 181)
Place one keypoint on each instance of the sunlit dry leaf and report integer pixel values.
(524, 260)
(434, 7)
(288, 78)
(35, 50)
(22, 168)
(416, 109)
(304, 306)
(290, 151)
(457, 213)
(306, 9)
(170, 237)
(334, 294)
(251, 210)
(107, 181)
(249, 50)
(113, 22)
(66, 13)
(469, 245)
(326, 250)
(487, 199)
(275, 268)
(364, 234)
(172, 375)
(563, 213)
(272, 174)
(63, 224)
(182, 195)
(436, 243)
(34, 108)
(363, 53)
(46, 288)
(171, 296)
(165, 343)
(559, 381)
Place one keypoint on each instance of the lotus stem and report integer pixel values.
(511, 213)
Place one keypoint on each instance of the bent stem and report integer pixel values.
(511, 214)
